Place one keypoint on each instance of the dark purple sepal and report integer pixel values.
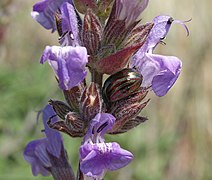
(122, 20)
(138, 34)
(61, 169)
(126, 109)
(73, 125)
(91, 103)
(132, 123)
(73, 95)
(76, 123)
(117, 61)
(116, 33)
(60, 108)
(126, 113)
(55, 141)
(91, 32)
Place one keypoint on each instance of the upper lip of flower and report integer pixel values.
(44, 12)
(98, 126)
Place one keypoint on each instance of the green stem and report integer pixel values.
(96, 77)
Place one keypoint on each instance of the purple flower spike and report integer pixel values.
(44, 12)
(96, 159)
(37, 152)
(68, 63)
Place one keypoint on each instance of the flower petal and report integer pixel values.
(148, 68)
(31, 157)
(68, 64)
(102, 119)
(98, 158)
(159, 31)
(44, 11)
(129, 10)
(69, 21)
(159, 71)
(55, 141)
(170, 70)
(41, 153)
(100, 124)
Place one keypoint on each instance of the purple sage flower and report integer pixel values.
(47, 155)
(98, 157)
(44, 12)
(158, 71)
(68, 64)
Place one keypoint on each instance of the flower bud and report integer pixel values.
(91, 32)
(75, 124)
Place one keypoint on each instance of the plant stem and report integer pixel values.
(96, 77)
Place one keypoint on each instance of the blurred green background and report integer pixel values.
(175, 144)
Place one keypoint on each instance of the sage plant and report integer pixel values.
(103, 38)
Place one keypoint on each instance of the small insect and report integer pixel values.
(121, 84)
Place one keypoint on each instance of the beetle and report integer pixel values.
(121, 85)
